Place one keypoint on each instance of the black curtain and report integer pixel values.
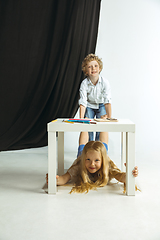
(42, 45)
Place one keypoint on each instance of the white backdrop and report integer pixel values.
(129, 45)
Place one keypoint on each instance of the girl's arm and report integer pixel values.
(70, 174)
(61, 180)
(116, 173)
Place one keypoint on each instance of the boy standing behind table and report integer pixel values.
(95, 92)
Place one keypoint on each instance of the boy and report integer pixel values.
(95, 92)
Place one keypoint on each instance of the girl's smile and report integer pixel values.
(93, 161)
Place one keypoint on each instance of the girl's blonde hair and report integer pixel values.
(84, 183)
(91, 57)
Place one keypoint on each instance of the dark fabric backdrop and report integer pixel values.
(42, 45)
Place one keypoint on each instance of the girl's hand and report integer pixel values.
(57, 178)
(47, 178)
(135, 172)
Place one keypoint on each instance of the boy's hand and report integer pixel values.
(104, 116)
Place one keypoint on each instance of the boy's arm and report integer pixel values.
(83, 98)
(108, 109)
(82, 111)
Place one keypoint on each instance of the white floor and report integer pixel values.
(28, 212)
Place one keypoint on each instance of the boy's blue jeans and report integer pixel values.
(91, 113)
(80, 148)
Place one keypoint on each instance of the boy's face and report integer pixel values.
(93, 161)
(92, 69)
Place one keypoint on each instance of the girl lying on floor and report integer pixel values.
(92, 168)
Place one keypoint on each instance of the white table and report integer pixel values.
(124, 126)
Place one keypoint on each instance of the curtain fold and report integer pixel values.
(42, 45)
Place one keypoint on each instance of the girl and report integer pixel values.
(92, 168)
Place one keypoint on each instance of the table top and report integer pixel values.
(122, 125)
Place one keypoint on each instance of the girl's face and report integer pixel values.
(93, 161)
(92, 69)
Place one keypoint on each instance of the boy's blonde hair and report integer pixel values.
(84, 183)
(91, 57)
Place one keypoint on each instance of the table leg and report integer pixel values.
(52, 153)
(123, 151)
(130, 163)
(60, 153)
